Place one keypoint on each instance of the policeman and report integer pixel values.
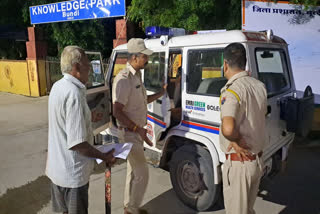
(130, 109)
(243, 104)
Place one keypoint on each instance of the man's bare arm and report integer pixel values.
(228, 129)
(153, 97)
(236, 142)
(89, 151)
(123, 118)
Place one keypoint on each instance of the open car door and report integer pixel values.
(154, 76)
(98, 92)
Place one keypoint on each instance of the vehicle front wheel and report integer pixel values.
(191, 174)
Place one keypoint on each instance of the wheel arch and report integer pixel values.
(178, 138)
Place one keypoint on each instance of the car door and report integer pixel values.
(271, 64)
(154, 76)
(204, 80)
(98, 93)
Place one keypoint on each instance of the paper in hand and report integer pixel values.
(122, 150)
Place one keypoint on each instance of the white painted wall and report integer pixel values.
(301, 32)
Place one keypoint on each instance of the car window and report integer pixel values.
(273, 70)
(204, 72)
(96, 75)
(120, 63)
(154, 71)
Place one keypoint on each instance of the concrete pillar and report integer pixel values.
(36, 55)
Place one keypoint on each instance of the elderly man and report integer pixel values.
(243, 109)
(130, 109)
(70, 151)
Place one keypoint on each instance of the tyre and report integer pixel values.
(191, 175)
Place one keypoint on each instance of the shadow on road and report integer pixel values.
(168, 203)
(29, 198)
(299, 187)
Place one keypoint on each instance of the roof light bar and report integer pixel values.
(156, 31)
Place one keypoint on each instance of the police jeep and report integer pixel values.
(189, 147)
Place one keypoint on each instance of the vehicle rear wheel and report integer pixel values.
(191, 174)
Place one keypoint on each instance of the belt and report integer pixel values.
(235, 157)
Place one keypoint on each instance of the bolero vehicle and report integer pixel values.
(184, 125)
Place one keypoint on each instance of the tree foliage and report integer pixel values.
(9, 11)
(98, 34)
(307, 3)
(187, 14)
(193, 14)
(88, 34)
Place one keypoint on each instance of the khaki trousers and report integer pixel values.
(240, 185)
(137, 172)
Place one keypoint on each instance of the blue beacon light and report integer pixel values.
(156, 31)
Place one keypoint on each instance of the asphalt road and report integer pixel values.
(25, 189)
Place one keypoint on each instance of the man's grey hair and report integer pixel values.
(70, 55)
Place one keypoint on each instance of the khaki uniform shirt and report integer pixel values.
(245, 99)
(129, 90)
